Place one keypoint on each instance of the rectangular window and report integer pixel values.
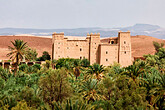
(106, 59)
(106, 52)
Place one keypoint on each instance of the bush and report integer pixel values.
(85, 62)
(23, 67)
(36, 66)
(45, 56)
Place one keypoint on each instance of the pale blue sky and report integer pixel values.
(53, 14)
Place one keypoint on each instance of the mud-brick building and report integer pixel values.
(115, 50)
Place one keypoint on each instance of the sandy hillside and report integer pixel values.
(143, 45)
(39, 43)
(140, 44)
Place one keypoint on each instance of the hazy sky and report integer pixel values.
(48, 14)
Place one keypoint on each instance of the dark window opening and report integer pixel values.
(106, 52)
(80, 49)
(106, 59)
(80, 57)
(125, 52)
(124, 42)
(112, 42)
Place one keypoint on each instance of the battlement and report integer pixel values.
(124, 32)
(95, 34)
(61, 33)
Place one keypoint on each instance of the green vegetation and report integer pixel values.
(31, 54)
(44, 57)
(17, 51)
(73, 84)
(157, 45)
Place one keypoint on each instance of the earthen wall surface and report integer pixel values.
(115, 50)
(108, 54)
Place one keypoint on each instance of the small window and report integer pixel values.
(112, 42)
(95, 43)
(59, 56)
(125, 52)
(80, 57)
(95, 48)
(106, 52)
(67, 47)
(106, 59)
(58, 47)
(124, 42)
(80, 49)
(59, 43)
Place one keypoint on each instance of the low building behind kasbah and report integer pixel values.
(117, 49)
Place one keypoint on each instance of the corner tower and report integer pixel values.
(93, 47)
(58, 45)
(124, 40)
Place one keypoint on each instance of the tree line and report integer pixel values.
(74, 84)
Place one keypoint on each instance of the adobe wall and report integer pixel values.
(94, 47)
(124, 40)
(115, 50)
(76, 49)
(58, 45)
(108, 54)
(64, 48)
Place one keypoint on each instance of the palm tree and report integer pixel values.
(76, 67)
(136, 70)
(70, 105)
(157, 46)
(158, 92)
(89, 90)
(96, 69)
(17, 51)
(54, 63)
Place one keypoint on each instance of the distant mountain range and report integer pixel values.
(137, 29)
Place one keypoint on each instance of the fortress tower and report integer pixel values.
(93, 49)
(58, 45)
(124, 41)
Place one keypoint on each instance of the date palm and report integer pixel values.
(17, 51)
(158, 92)
(96, 69)
(89, 90)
